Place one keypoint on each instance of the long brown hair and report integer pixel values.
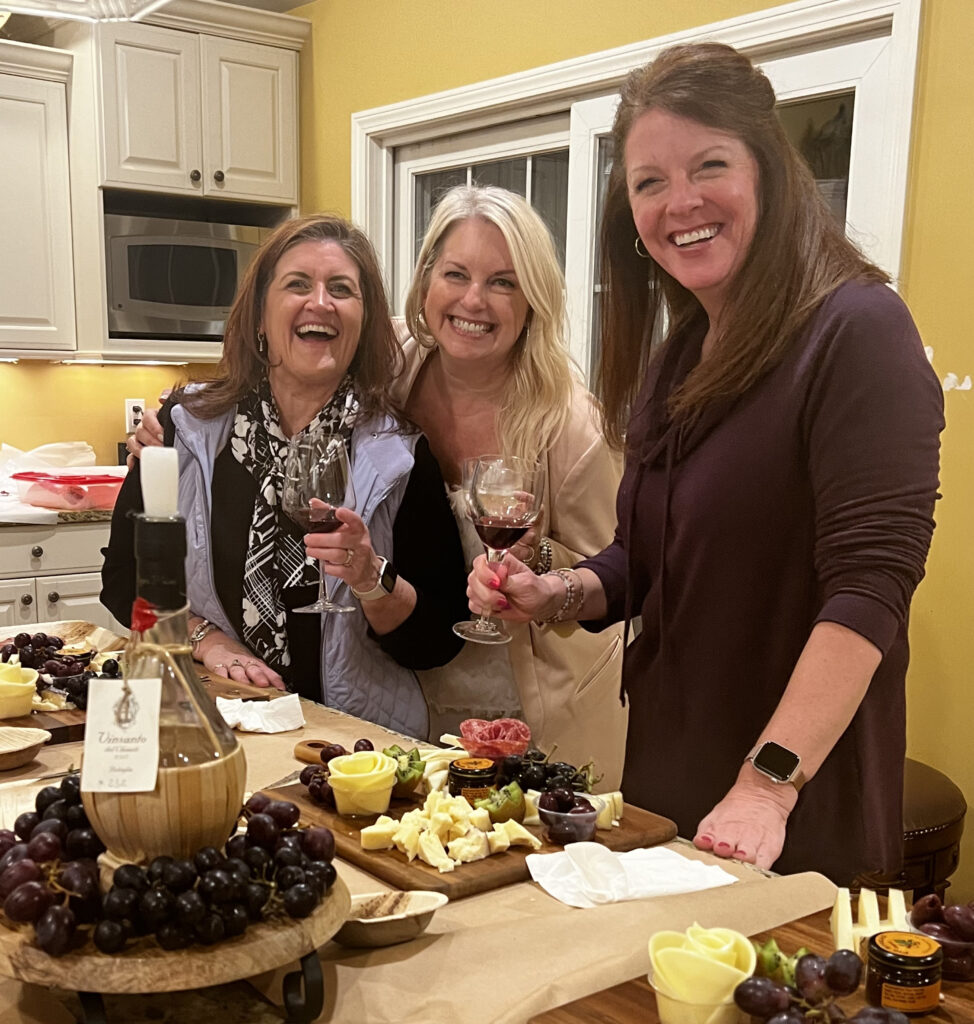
(378, 359)
(799, 254)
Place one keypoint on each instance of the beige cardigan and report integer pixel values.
(568, 678)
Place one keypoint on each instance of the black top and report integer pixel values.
(426, 552)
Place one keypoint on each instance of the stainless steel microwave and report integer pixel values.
(174, 279)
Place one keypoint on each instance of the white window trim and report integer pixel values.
(763, 36)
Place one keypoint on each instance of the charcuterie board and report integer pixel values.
(637, 828)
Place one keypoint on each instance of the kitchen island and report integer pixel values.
(511, 953)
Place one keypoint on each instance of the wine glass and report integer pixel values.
(503, 495)
(317, 468)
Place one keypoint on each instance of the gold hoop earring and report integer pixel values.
(641, 253)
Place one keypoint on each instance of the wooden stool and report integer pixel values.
(933, 823)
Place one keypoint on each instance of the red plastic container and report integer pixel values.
(68, 491)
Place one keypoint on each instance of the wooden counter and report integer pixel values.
(497, 957)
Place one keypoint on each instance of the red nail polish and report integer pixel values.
(494, 583)
(503, 605)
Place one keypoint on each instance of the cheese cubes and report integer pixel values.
(444, 832)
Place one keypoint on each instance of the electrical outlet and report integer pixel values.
(133, 413)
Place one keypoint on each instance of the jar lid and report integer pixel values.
(475, 765)
(906, 949)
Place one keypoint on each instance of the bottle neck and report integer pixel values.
(160, 556)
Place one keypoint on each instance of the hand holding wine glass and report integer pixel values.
(317, 482)
(504, 494)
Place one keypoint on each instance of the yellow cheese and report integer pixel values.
(379, 836)
(517, 834)
(472, 846)
(849, 935)
(531, 807)
(480, 818)
(431, 851)
(406, 840)
(498, 841)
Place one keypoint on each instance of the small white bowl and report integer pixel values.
(386, 918)
(19, 746)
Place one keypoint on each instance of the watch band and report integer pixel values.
(778, 763)
(384, 584)
(203, 629)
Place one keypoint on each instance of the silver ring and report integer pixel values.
(236, 663)
(348, 557)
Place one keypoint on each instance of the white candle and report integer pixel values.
(160, 482)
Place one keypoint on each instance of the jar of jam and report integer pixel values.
(904, 972)
(471, 777)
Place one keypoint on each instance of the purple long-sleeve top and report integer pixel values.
(808, 499)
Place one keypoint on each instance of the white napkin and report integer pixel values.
(279, 715)
(587, 874)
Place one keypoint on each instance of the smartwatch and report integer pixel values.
(780, 764)
(384, 585)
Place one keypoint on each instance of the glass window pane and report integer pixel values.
(604, 169)
(509, 174)
(549, 195)
(429, 190)
(821, 129)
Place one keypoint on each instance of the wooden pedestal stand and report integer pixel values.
(145, 967)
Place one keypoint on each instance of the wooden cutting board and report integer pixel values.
(637, 828)
(64, 726)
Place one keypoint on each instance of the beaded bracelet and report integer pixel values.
(543, 564)
(574, 595)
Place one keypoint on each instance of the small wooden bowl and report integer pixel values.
(19, 746)
(387, 918)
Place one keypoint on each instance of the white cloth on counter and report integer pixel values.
(588, 874)
(282, 714)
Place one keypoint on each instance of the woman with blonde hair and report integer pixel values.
(487, 371)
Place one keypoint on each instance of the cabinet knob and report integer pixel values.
(53, 597)
(194, 175)
(36, 551)
(218, 176)
(26, 599)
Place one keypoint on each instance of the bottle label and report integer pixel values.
(121, 752)
(911, 1000)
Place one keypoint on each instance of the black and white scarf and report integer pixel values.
(276, 558)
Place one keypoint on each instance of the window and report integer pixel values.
(839, 68)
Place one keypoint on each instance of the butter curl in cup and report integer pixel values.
(362, 782)
(701, 965)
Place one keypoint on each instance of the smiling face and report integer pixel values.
(693, 191)
(312, 316)
(474, 306)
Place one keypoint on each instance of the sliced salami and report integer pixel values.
(495, 739)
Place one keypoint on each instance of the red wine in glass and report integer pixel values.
(315, 520)
(503, 496)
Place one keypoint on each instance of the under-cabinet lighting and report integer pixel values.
(13, 361)
(118, 362)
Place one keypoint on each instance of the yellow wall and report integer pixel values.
(44, 402)
(367, 55)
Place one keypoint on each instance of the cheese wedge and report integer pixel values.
(498, 841)
(431, 851)
(473, 846)
(379, 836)
(517, 834)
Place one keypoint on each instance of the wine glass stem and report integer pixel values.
(493, 557)
(321, 582)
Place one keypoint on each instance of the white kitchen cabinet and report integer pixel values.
(36, 265)
(53, 573)
(198, 114)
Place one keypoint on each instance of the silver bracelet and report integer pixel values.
(574, 596)
(543, 564)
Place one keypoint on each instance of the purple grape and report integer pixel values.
(257, 803)
(25, 824)
(28, 901)
(8, 839)
(256, 895)
(54, 825)
(959, 966)
(363, 744)
(960, 918)
(927, 909)
(321, 874)
(283, 812)
(257, 859)
(761, 997)
(300, 900)
(156, 907)
(7, 650)
(16, 852)
(843, 972)
(236, 845)
(216, 886)
(318, 843)
(130, 876)
(308, 773)
(17, 873)
(189, 907)
(109, 936)
(119, 904)
(207, 858)
(235, 919)
(947, 937)
(879, 1015)
(54, 930)
(83, 842)
(44, 847)
(793, 1015)
(330, 750)
(810, 978)
(21, 640)
(263, 830)
(172, 936)
(211, 929)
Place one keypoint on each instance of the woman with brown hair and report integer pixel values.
(308, 346)
(782, 429)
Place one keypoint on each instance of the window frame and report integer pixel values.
(804, 31)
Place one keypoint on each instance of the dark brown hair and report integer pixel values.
(378, 359)
(799, 254)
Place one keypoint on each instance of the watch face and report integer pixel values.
(779, 762)
(388, 578)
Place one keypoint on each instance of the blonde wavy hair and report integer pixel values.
(537, 404)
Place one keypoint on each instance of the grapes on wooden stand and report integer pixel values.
(49, 878)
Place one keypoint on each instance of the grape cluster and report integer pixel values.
(65, 673)
(534, 770)
(49, 878)
(48, 873)
(817, 983)
(953, 928)
(272, 867)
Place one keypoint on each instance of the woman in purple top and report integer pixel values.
(781, 426)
